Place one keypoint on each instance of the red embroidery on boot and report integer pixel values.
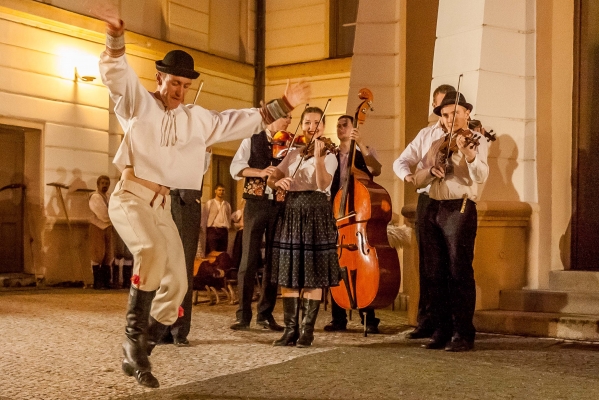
(181, 312)
(135, 279)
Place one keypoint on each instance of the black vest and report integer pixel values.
(260, 158)
(359, 163)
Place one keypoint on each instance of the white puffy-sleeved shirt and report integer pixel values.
(305, 178)
(167, 147)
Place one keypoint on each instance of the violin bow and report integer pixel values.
(455, 110)
(295, 133)
(199, 90)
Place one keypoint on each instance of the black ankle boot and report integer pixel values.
(310, 312)
(97, 279)
(135, 346)
(156, 331)
(291, 313)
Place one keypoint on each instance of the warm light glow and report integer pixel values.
(76, 64)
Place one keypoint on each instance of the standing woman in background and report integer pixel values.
(305, 246)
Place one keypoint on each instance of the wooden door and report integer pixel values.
(12, 155)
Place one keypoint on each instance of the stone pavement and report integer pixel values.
(65, 344)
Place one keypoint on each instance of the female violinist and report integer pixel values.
(304, 250)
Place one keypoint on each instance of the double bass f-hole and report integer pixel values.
(362, 242)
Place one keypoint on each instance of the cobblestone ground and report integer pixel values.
(65, 344)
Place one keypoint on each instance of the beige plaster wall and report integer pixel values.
(78, 136)
(296, 31)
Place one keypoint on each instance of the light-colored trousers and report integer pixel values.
(145, 224)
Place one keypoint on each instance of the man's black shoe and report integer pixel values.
(269, 323)
(372, 329)
(420, 333)
(436, 343)
(181, 342)
(240, 326)
(459, 344)
(335, 326)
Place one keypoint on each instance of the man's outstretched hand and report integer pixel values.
(107, 11)
(298, 93)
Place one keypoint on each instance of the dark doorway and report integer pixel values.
(12, 198)
(221, 174)
(585, 180)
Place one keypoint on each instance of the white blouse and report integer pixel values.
(305, 178)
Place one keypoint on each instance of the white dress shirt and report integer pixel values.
(242, 157)
(98, 203)
(415, 153)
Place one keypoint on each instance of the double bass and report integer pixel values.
(369, 265)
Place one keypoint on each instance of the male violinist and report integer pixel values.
(414, 156)
(255, 161)
(450, 220)
(366, 161)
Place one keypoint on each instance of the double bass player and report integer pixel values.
(367, 162)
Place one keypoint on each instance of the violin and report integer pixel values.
(477, 126)
(282, 141)
(329, 146)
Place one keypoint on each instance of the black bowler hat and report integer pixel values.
(179, 63)
(449, 99)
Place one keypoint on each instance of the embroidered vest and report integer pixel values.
(260, 157)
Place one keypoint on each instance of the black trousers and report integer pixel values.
(186, 213)
(424, 318)
(259, 221)
(217, 239)
(340, 314)
(448, 252)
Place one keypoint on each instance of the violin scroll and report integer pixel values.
(477, 126)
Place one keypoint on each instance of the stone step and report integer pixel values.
(549, 301)
(574, 281)
(555, 325)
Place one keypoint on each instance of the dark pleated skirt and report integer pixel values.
(305, 244)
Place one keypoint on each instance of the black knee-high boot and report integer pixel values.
(115, 276)
(310, 312)
(155, 332)
(97, 276)
(135, 346)
(105, 274)
(291, 314)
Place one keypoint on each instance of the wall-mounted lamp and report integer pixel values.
(83, 78)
